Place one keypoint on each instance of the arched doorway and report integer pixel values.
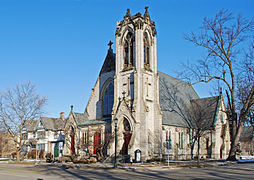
(126, 136)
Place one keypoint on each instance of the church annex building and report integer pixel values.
(157, 114)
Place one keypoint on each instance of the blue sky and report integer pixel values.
(60, 45)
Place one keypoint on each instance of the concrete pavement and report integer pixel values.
(15, 171)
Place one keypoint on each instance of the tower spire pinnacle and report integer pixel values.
(147, 13)
(128, 14)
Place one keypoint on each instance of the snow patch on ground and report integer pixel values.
(173, 161)
(4, 159)
(30, 160)
(246, 161)
(218, 163)
(246, 157)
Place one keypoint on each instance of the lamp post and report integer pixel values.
(115, 164)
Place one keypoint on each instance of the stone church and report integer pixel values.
(157, 114)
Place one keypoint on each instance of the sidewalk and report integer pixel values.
(147, 166)
(139, 166)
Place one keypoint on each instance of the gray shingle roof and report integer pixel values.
(80, 118)
(83, 120)
(206, 110)
(177, 101)
(175, 96)
(92, 122)
(30, 125)
(53, 123)
(109, 62)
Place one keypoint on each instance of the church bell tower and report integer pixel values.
(136, 80)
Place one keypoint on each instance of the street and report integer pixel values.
(15, 171)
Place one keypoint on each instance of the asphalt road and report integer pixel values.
(27, 172)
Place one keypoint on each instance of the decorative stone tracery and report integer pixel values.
(128, 50)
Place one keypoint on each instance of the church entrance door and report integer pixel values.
(72, 145)
(96, 142)
(127, 137)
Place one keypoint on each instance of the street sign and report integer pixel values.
(168, 144)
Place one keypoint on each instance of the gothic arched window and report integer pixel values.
(108, 100)
(146, 50)
(128, 50)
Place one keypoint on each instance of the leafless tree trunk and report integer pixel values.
(224, 37)
(201, 117)
(198, 162)
(16, 106)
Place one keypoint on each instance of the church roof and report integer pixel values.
(83, 120)
(80, 118)
(176, 100)
(175, 96)
(58, 124)
(92, 122)
(52, 123)
(207, 109)
(109, 62)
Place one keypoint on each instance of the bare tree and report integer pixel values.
(1, 127)
(251, 118)
(16, 106)
(224, 38)
(180, 106)
(245, 83)
(201, 117)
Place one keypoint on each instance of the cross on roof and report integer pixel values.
(110, 44)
